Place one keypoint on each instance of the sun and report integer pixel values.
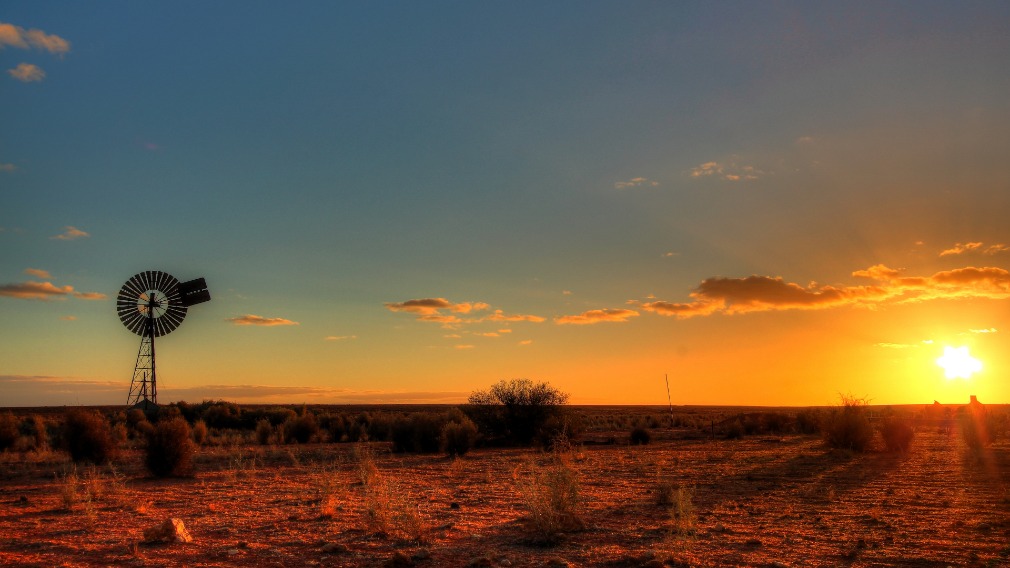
(957, 363)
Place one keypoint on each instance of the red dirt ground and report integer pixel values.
(759, 501)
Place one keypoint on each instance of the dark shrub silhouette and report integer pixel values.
(199, 432)
(515, 411)
(170, 449)
(458, 436)
(87, 435)
(640, 436)
(9, 431)
(847, 427)
(897, 434)
(301, 428)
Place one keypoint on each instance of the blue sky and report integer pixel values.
(326, 163)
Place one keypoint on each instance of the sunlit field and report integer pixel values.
(620, 486)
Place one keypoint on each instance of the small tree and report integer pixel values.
(9, 431)
(87, 435)
(517, 410)
(170, 449)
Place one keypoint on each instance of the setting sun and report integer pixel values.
(957, 363)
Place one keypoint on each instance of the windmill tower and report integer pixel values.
(152, 304)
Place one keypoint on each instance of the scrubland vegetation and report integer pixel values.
(515, 469)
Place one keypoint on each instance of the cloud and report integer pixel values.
(41, 390)
(70, 233)
(636, 182)
(8, 168)
(432, 306)
(464, 346)
(38, 273)
(45, 291)
(988, 330)
(766, 293)
(16, 36)
(729, 171)
(68, 318)
(27, 73)
(499, 315)
(252, 319)
(963, 248)
(597, 316)
(340, 337)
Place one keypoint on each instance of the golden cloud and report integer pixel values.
(499, 315)
(45, 291)
(16, 36)
(597, 316)
(27, 73)
(38, 273)
(766, 293)
(636, 182)
(252, 319)
(962, 248)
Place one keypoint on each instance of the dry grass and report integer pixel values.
(551, 497)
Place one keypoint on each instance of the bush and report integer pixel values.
(552, 498)
(897, 434)
(302, 428)
(263, 432)
(199, 432)
(9, 432)
(419, 432)
(979, 428)
(515, 411)
(640, 436)
(458, 438)
(808, 421)
(88, 437)
(847, 427)
(170, 449)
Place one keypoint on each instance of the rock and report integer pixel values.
(480, 562)
(421, 555)
(454, 505)
(172, 530)
(753, 542)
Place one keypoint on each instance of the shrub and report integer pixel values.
(808, 421)
(979, 428)
(88, 437)
(897, 434)
(263, 432)
(9, 432)
(515, 411)
(199, 432)
(552, 498)
(302, 428)
(419, 432)
(640, 436)
(458, 438)
(847, 426)
(170, 449)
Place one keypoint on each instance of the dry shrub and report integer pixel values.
(170, 449)
(391, 510)
(680, 507)
(302, 428)
(847, 427)
(551, 496)
(458, 437)
(87, 435)
(364, 464)
(978, 428)
(897, 434)
(263, 432)
(199, 432)
(9, 431)
(640, 436)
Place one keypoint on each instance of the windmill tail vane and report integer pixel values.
(152, 304)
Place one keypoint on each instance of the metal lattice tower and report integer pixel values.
(152, 304)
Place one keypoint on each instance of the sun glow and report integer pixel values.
(957, 363)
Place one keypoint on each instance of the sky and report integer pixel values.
(771, 203)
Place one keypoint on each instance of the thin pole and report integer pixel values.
(668, 399)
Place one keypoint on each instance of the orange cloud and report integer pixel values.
(340, 337)
(431, 306)
(252, 319)
(38, 273)
(16, 36)
(597, 316)
(766, 293)
(962, 248)
(27, 73)
(45, 291)
(729, 171)
(499, 315)
(70, 233)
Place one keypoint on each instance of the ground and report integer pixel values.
(681, 500)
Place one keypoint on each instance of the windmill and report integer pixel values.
(151, 304)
